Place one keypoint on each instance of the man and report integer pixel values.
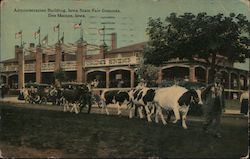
(214, 104)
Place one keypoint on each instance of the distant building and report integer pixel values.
(86, 63)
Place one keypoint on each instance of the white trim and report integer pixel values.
(120, 68)
(95, 70)
(175, 65)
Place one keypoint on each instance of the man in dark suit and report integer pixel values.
(214, 105)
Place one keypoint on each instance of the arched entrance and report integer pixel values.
(70, 75)
(48, 77)
(243, 82)
(99, 76)
(3, 79)
(234, 81)
(30, 77)
(200, 74)
(13, 81)
(119, 78)
(176, 73)
(225, 79)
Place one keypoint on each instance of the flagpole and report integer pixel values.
(81, 32)
(39, 42)
(21, 38)
(103, 36)
(58, 33)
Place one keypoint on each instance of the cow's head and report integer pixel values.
(196, 96)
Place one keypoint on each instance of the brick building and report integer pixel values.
(84, 62)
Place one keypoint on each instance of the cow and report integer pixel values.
(142, 97)
(175, 98)
(78, 97)
(114, 97)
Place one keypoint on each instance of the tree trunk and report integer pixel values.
(213, 69)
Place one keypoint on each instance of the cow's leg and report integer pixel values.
(184, 112)
(161, 115)
(76, 107)
(72, 107)
(176, 113)
(65, 106)
(148, 114)
(156, 115)
(140, 111)
(118, 108)
(131, 111)
(104, 106)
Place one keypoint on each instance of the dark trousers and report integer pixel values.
(212, 122)
(244, 106)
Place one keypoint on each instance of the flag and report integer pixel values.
(45, 40)
(77, 26)
(100, 31)
(37, 33)
(18, 34)
(62, 38)
(56, 28)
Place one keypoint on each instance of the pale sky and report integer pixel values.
(129, 22)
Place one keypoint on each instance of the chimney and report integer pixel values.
(113, 41)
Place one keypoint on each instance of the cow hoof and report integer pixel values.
(175, 121)
(185, 127)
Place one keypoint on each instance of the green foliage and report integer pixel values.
(147, 72)
(201, 36)
(60, 75)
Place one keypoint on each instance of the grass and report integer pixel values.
(95, 135)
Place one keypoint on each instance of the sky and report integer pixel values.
(128, 18)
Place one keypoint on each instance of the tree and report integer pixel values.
(200, 36)
(147, 72)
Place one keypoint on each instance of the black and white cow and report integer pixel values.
(142, 97)
(114, 97)
(78, 98)
(175, 98)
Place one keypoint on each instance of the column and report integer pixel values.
(20, 57)
(79, 63)
(38, 64)
(159, 80)
(229, 85)
(238, 81)
(102, 52)
(192, 73)
(132, 78)
(207, 75)
(113, 41)
(58, 56)
(107, 78)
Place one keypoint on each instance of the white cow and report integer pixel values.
(175, 98)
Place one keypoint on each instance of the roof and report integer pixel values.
(130, 48)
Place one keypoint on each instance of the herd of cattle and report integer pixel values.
(173, 98)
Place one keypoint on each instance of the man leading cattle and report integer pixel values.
(214, 104)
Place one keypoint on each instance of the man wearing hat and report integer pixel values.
(214, 104)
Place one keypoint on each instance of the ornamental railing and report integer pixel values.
(9, 68)
(46, 67)
(68, 65)
(113, 61)
(30, 67)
